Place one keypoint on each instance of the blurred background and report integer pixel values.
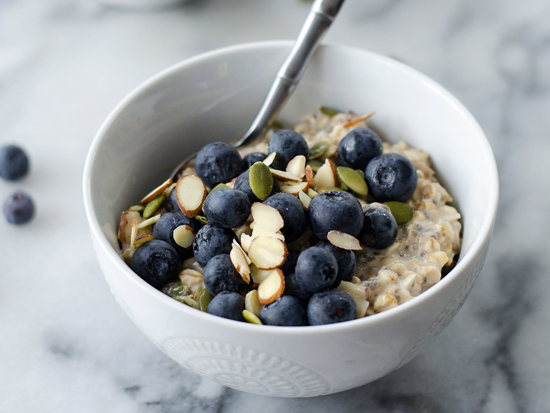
(66, 345)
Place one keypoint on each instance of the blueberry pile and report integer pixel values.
(270, 238)
(14, 164)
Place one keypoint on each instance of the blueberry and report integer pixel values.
(287, 144)
(293, 214)
(173, 201)
(14, 163)
(380, 229)
(358, 147)
(335, 210)
(220, 275)
(346, 262)
(295, 288)
(18, 208)
(316, 269)
(165, 226)
(252, 158)
(227, 305)
(290, 263)
(329, 307)
(391, 177)
(243, 184)
(227, 208)
(285, 311)
(157, 262)
(218, 162)
(211, 241)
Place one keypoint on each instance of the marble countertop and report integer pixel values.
(64, 64)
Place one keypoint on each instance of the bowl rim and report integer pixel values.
(479, 240)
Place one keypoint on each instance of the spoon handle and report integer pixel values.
(318, 21)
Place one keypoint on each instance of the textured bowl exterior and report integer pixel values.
(171, 115)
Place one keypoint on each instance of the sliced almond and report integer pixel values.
(345, 241)
(309, 177)
(133, 233)
(150, 221)
(236, 245)
(245, 241)
(267, 216)
(270, 158)
(258, 275)
(125, 225)
(183, 236)
(190, 194)
(240, 261)
(304, 199)
(272, 287)
(294, 189)
(142, 239)
(312, 193)
(356, 121)
(326, 176)
(260, 230)
(251, 302)
(284, 176)
(267, 253)
(156, 192)
(297, 166)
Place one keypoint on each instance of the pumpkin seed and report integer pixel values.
(220, 186)
(251, 317)
(401, 212)
(314, 165)
(204, 299)
(187, 300)
(201, 219)
(328, 188)
(318, 149)
(153, 206)
(360, 172)
(261, 181)
(328, 111)
(135, 208)
(352, 179)
(142, 239)
(175, 289)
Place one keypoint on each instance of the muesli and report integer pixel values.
(321, 224)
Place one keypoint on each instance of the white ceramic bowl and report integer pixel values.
(214, 97)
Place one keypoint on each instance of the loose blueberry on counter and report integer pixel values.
(288, 144)
(391, 177)
(227, 305)
(379, 229)
(218, 162)
(220, 275)
(335, 210)
(358, 147)
(346, 262)
(14, 163)
(165, 226)
(252, 158)
(227, 208)
(243, 184)
(211, 241)
(293, 214)
(329, 307)
(316, 269)
(157, 262)
(173, 201)
(18, 208)
(290, 263)
(294, 287)
(285, 311)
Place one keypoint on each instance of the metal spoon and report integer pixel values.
(318, 21)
